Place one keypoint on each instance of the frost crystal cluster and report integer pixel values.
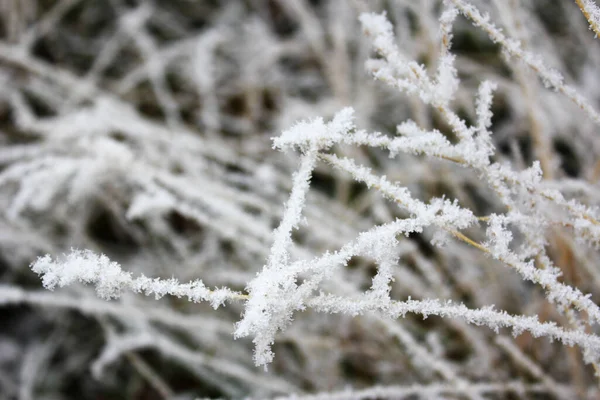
(300, 199)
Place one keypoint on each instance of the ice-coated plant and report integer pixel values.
(437, 238)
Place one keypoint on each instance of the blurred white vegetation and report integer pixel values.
(429, 233)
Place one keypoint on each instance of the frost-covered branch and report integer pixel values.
(591, 12)
(484, 316)
(110, 280)
(551, 77)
